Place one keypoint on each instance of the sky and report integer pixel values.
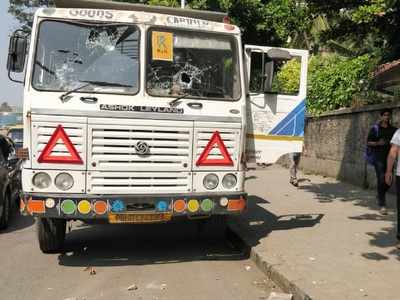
(10, 92)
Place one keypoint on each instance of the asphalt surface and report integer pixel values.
(157, 261)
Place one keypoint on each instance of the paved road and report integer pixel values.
(163, 261)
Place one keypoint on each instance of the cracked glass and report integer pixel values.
(194, 64)
(71, 53)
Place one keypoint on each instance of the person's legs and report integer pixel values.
(293, 169)
(294, 162)
(382, 187)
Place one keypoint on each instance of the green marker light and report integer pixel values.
(68, 207)
(207, 205)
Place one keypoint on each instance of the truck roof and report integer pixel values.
(102, 4)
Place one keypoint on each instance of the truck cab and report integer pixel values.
(141, 114)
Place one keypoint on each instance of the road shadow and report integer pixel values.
(374, 256)
(258, 222)
(328, 192)
(250, 177)
(340, 141)
(302, 180)
(122, 245)
(385, 237)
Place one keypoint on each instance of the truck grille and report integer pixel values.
(143, 182)
(41, 134)
(230, 138)
(114, 148)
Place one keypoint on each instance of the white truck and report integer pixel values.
(144, 114)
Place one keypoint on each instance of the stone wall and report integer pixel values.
(334, 143)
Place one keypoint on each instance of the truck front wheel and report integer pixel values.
(51, 234)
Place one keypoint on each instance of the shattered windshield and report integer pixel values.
(69, 53)
(194, 64)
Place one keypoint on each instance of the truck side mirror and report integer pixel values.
(17, 52)
(279, 54)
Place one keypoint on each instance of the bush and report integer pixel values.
(287, 79)
(334, 81)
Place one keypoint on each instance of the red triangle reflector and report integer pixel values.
(205, 161)
(47, 157)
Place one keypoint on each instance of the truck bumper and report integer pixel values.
(117, 208)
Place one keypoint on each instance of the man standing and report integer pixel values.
(294, 163)
(393, 154)
(379, 138)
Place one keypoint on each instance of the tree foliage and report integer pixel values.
(262, 22)
(334, 81)
(288, 78)
(351, 27)
(23, 10)
(365, 26)
(357, 34)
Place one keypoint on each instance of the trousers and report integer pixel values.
(382, 187)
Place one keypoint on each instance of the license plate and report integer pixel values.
(139, 218)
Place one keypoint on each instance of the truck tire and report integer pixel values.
(6, 211)
(213, 228)
(51, 234)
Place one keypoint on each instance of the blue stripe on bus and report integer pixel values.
(293, 123)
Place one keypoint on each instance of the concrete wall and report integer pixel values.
(335, 143)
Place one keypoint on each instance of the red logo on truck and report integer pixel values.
(226, 159)
(47, 155)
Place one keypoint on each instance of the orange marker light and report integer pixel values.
(36, 206)
(179, 205)
(100, 207)
(237, 204)
(22, 205)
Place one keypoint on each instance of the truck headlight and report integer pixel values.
(210, 182)
(229, 181)
(41, 180)
(64, 181)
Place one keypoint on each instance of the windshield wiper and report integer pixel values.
(175, 102)
(64, 97)
(105, 83)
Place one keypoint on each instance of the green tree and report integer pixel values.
(361, 26)
(287, 79)
(334, 81)
(263, 22)
(23, 10)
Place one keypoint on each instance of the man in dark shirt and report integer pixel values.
(379, 138)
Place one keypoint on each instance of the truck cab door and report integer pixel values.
(276, 102)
